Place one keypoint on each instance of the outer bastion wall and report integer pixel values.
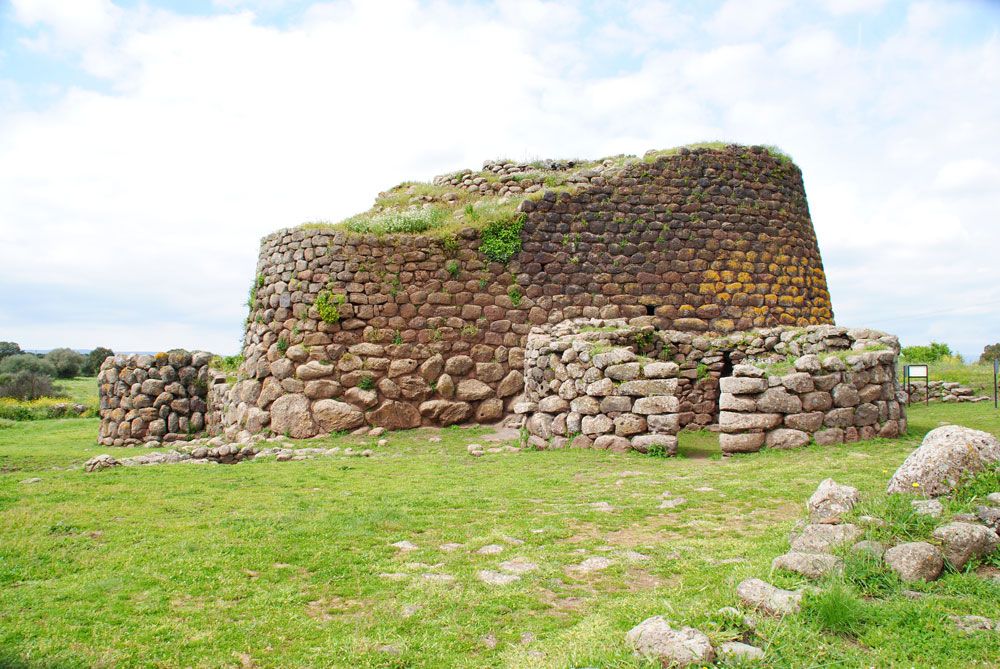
(428, 330)
(616, 384)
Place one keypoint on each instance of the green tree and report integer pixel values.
(991, 352)
(94, 360)
(8, 348)
(27, 362)
(66, 361)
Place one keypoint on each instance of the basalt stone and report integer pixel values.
(290, 416)
(489, 410)
(750, 442)
(472, 389)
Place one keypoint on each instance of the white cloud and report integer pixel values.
(219, 129)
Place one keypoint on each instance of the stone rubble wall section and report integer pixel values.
(500, 178)
(586, 388)
(430, 332)
(943, 391)
(153, 398)
(839, 388)
(828, 399)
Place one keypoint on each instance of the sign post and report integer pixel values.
(911, 372)
(996, 370)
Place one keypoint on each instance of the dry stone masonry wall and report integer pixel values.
(621, 384)
(153, 398)
(397, 331)
(586, 386)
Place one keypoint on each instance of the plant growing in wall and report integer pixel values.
(514, 293)
(501, 239)
(328, 305)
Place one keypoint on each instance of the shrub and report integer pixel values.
(67, 362)
(8, 348)
(26, 385)
(95, 359)
(39, 409)
(501, 238)
(933, 352)
(328, 306)
(27, 362)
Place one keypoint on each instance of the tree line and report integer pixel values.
(28, 376)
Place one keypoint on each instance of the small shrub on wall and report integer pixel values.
(501, 239)
(328, 305)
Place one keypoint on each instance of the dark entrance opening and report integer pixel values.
(650, 309)
(727, 365)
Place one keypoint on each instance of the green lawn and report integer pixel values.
(267, 564)
(81, 389)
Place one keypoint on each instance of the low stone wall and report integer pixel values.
(153, 398)
(829, 399)
(942, 391)
(588, 386)
(596, 382)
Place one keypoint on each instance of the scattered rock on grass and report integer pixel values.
(819, 538)
(915, 561)
(975, 623)
(927, 507)
(672, 503)
(945, 456)
(497, 578)
(738, 652)
(405, 545)
(768, 598)
(99, 462)
(831, 501)
(34, 479)
(590, 565)
(873, 548)
(810, 565)
(655, 639)
(964, 541)
(490, 549)
(518, 566)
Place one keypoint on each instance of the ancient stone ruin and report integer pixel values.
(607, 303)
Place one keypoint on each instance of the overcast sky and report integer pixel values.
(145, 147)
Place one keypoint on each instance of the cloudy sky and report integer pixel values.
(145, 147)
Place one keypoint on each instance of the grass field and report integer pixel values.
(267, 564)
(81, 389)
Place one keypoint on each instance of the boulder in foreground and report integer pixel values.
(946, 456)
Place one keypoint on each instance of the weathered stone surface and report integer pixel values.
(445, 412)
(666, 443)
(363, 399)
(945, 456)
(962, 542)
(290, 416)
(489, 410)
(334, 416)
(769, 599)
(654, 639)
(748, 442)
(738, 385)
(458, 365)
(730, 421)
(778, 400)
(648, 387)
(314, 369)
(658, 404)
(915, 561)
(472, 389)
(831, 501)
(394, 415)
(599, 424)
(739, 653)
(511, 384)
(819, 538)
(611, 442)
(810, 565)
(320, 389)
(629, 424)
(784, 438)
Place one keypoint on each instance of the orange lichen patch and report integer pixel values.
(711, 275)
(771, 299)
(686, 310)
(724, 297)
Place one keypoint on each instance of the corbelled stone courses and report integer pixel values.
(154, 398)
(701, 240)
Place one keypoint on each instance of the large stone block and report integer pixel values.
(748, 422)
(742, 385)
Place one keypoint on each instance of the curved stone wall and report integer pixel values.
(702, 240)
